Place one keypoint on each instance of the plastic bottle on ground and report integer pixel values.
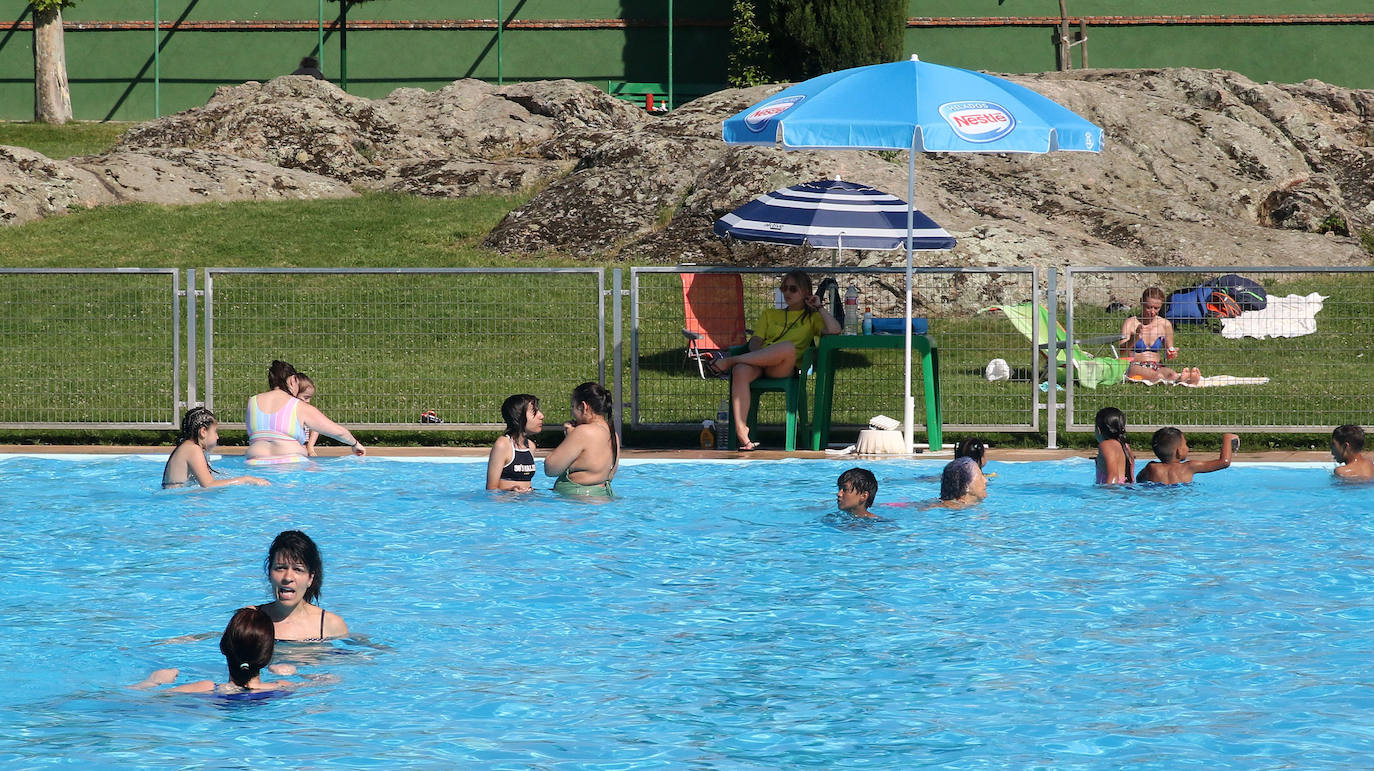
(868, 321)
(723, 425)
(851, 311)
(708, 434)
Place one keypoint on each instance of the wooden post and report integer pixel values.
(52, 96)
(1082, 44)
(1061, 46)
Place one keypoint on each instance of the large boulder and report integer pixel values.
(33, 186)
(467, 138)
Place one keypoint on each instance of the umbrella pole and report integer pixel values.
(909, 405)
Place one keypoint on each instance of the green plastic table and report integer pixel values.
(825, 379)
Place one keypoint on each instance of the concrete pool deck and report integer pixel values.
(1267, 456)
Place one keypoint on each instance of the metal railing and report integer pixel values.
(385, 345)
(90, 348)
(1317, 376)
(666, 390)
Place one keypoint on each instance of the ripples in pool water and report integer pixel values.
(713, 615)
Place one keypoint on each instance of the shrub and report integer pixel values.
(813, 37)
(748, 61)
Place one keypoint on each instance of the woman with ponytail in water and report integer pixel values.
(247, 645)
(1115, 460)
(586, 460)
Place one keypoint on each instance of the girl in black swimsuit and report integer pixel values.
(510, 466)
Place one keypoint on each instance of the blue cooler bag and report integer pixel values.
(919, 326)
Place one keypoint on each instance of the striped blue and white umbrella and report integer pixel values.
(832, 214)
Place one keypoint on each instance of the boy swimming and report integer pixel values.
(857, 488)
(1173, 466)
(1347, 447)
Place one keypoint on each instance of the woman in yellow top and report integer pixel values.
(783, 335)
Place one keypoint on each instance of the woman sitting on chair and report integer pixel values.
(1146, 337)
(784, 335)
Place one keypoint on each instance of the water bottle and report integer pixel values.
(868, 321)
(707, 440)
(779, 302)
(851, 311)
(723, 425)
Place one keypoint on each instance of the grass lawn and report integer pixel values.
(75, 138)
(373, 230)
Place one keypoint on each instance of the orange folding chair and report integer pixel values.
(713, 313)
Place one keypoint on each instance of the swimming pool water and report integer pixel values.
(715, 615)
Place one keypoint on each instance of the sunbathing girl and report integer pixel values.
(199, 435)
(1145, 337)
(784, 335)
(295, 572)
(247, 647)
(510, 466)
(586, 459)
(279, 422)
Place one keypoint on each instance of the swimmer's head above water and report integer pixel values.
(963, 480)
(282, 376)
(247, 645)
(199, 425)
(293, 560)
(522, 415)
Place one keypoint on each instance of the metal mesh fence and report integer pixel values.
(1312, 340)
(667, 390)
(89, 347)
(100, 348)
(383, 346)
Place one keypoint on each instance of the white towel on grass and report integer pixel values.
(1291, 316)
(1226, 380)
(1210, 382)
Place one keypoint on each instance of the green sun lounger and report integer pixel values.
(1091, 370)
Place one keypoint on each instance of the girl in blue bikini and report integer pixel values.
(1148, 335)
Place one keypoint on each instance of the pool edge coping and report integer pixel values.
(1267, 456)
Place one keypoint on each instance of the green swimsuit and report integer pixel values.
(565, 486)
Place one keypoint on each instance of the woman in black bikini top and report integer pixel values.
(295, 572)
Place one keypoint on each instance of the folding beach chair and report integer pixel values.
(713, 315)
(1090, 370)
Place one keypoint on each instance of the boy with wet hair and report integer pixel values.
(857, 490)
(1347, 447)
(1173, 466)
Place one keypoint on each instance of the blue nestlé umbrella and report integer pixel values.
(831, 214)
(918, 107)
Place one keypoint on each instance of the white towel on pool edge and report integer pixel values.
(1291, 316)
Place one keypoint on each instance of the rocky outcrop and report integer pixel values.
(33, 186)
(467, 138)
(1200, 167)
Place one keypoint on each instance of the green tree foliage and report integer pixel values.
(748, 62)
(813, 37)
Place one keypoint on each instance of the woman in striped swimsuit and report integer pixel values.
(277, 421)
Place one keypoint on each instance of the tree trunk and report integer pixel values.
(52, 98)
